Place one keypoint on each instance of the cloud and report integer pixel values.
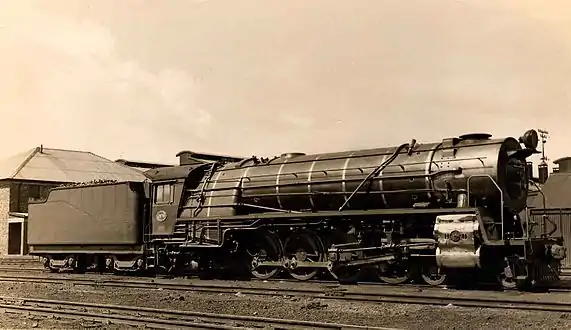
(68, 81)
(148, 79)
(298, 121)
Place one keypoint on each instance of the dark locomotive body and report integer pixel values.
(414, 210)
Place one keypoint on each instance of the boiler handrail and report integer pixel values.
(545, 216)
(499, 189)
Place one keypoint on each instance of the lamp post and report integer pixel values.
(543, 167)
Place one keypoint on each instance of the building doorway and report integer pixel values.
(15, 238)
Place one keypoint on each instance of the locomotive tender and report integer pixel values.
(426, 211)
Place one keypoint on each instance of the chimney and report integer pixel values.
(529, 170)
(543, 172)
(184, 157)
(191, 158)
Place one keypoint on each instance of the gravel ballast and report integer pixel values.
(372, 314)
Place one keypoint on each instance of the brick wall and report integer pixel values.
(4, 215)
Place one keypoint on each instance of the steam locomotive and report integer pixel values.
(414, 211)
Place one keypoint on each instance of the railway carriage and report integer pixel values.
(424, 211)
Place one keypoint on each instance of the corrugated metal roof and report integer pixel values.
(58, 165)
(10, 166)
(557, 191)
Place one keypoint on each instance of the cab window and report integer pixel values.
(164, 193)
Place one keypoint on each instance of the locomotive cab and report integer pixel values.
(166, 190)
(174, 188)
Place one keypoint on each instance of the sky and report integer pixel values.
(145, 79)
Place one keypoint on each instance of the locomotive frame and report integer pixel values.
(254, 217)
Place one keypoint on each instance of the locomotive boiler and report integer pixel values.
(399, 177)
(410, 211)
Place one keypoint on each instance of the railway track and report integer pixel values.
(157, 318)
(22, 269)
(434, 298)
(562, 288)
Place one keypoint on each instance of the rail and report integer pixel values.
(347, 293)
(499, 189)
(159, 318)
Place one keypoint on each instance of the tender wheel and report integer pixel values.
(432, 275)
(74, 264)
(46, 261)
(303, 246)
(264, 246)
(393, 274)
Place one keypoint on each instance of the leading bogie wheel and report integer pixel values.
(433, 275)
(393, 274)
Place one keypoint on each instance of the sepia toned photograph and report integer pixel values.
(266, 164)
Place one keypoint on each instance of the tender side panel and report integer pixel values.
(88, 215)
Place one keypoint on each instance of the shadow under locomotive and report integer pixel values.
(427, 211)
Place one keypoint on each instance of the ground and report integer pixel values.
(372, 314)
